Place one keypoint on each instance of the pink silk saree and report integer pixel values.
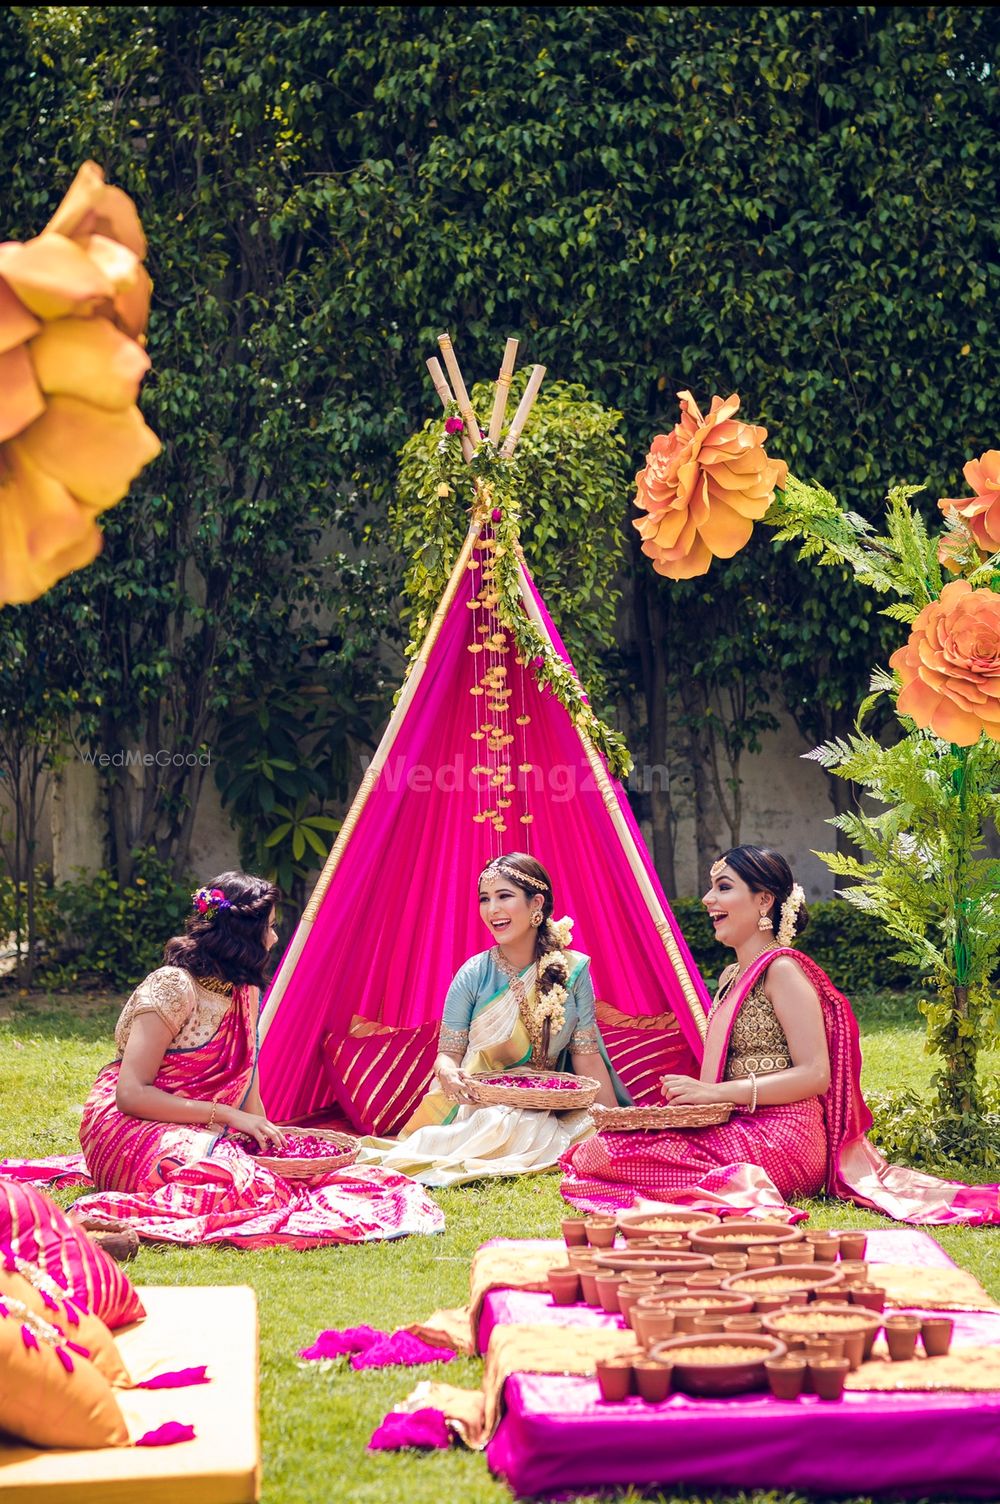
(182, 1184)
(757, 1162)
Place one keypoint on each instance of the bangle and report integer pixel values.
(752, 1107)
(211, 1115)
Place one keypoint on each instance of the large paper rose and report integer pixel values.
(981, 512)
(73, 309)
(950, 667)
(704, 486)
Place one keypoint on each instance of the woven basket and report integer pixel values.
(646, 1119)
(343, 1152)
(582, 1093)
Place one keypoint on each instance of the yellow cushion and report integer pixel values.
(185, 1326)
(77, 1325)
(44, 1402)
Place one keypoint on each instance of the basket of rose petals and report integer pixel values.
(543, 1091)
(308, 1155)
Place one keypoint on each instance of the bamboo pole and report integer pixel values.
(503, 388)
(368, 782)
(444, 392)
(524, 407)
(611, 804)
(458, 387)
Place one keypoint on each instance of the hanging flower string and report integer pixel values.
(494, 502)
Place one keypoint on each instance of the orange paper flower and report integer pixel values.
(73, 309)
(704, 486)
(981, 512)
(950, 667)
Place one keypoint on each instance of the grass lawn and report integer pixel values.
(315, 1424)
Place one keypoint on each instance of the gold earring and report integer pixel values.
(765, 922)
(536, 918)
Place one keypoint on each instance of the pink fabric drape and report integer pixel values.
(401, 914)
(755, 1161)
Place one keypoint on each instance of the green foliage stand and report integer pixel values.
(924, 875)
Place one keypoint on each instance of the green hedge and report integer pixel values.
(852, 948)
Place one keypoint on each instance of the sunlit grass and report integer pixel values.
(315, 1423)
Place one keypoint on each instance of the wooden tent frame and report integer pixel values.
(457, 393)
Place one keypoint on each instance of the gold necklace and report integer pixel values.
(527, 1015)
(727, 986)
(215, 984)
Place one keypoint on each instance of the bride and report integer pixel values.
(526, 1001)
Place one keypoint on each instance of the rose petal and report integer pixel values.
(54, 277)
(92, 206)
(16, 323)
(21, 401)
(89, 359)
(95, 453)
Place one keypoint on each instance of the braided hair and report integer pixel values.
(228, 942)
(552, 972)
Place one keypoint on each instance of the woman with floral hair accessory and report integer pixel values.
(528, 1000)
(782, 1049)
(173, 1125)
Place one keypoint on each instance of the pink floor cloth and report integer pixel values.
(757, 1161)
(558, 1436)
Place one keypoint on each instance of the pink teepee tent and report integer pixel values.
(476, 760)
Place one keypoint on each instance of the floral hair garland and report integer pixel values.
(554, 966)
(789, 914)
(210, 901)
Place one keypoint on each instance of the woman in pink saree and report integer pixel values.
(169, 1125)
(782, 1047)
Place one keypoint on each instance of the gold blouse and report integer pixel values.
(191, 1011)
(757, 1043)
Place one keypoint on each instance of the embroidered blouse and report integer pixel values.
(757, 1043)
(190, 1011)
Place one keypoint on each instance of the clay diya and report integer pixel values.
(564, 1285)
(614, 1379)
(936, 1333)
(786, 1377)
(826, 1377)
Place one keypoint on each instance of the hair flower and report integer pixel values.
(563, 930)
(209, 900)
(789, 913)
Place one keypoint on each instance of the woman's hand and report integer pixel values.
(687, 1091)
(254, 1125)
(453, 1081)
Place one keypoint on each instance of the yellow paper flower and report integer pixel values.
(981, 512)
(73, 309)
(703, 487)
(950, 667)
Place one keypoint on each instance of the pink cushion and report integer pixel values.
(39, 1231)
(644, 1050)
(379, 1075)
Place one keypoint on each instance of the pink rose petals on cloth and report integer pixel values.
(167, 1435)
(177, 1378)
(420, 1428)
(374, 1349)
(401, 1350)
(335, 1344)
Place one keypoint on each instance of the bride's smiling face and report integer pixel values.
(734, 908)
(506, 910)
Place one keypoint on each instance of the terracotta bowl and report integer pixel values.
(654, 1224)
(783, 1279)
(740, 1234)
(743, 1373)
(660, 1260)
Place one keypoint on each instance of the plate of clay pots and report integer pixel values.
(855, 1326)
(659, 1260)
(718, 1365)
(783, 1279)
(740, 1234)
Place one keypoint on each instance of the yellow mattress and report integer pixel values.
(216, 1325)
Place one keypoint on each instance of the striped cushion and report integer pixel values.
(378, 1075)
(642, 1050)
(36, 1229)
